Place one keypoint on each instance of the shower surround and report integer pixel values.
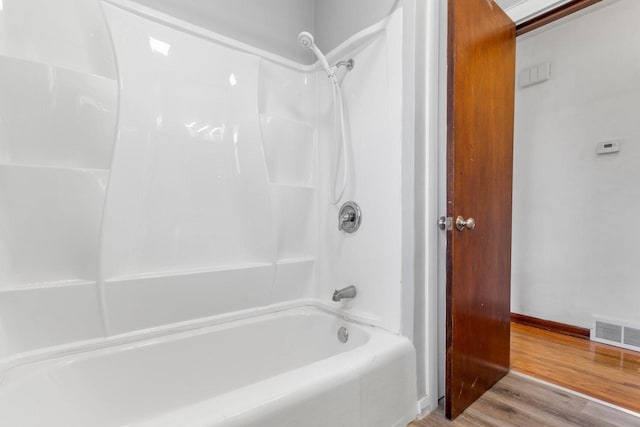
(165, 203)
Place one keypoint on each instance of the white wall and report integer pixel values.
(274, 25)
(371, 257)
(58, 106)
(384, 93)
(190, 217)
(68, 33)
(337, 20)
(271, 25)
(574, 243)
(215, 151)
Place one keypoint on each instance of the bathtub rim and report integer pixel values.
(19, 360)
(353, 364)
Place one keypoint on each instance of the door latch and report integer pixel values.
(445, 223)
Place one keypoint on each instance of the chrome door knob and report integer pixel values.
(461, 223)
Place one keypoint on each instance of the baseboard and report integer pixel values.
(424, 407)
(548, 325)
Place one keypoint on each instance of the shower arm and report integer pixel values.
(347, 64)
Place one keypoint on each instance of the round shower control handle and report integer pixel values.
(349, 217)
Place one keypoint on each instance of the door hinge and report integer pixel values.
(445, 223)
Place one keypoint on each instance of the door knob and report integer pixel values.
(461, 224)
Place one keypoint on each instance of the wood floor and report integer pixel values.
(604, 372)
(607, 373)
(517, 401)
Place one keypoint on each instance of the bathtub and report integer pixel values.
(281, 369)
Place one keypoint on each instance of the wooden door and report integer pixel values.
(481, 69)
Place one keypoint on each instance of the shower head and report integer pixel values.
(305, 39)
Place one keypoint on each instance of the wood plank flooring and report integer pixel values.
(610, 374)
(604, 372)
(517, 401)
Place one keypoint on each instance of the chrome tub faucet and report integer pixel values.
(348, 292)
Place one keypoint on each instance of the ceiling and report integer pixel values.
(521, 10)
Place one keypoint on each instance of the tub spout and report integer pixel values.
(348, 292)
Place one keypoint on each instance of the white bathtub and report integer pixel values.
(279, 369)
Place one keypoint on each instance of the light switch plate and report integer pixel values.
(535, 74)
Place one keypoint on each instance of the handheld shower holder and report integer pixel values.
(347, 64)
(305, 40)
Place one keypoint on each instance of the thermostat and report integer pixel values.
(608, 147)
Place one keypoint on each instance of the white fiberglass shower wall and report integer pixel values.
(187, 219)
(58, 113)
(371, 258)
(215, 151)
(156, 171)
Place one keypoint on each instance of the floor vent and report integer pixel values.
(632, 337)
(616, 333)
